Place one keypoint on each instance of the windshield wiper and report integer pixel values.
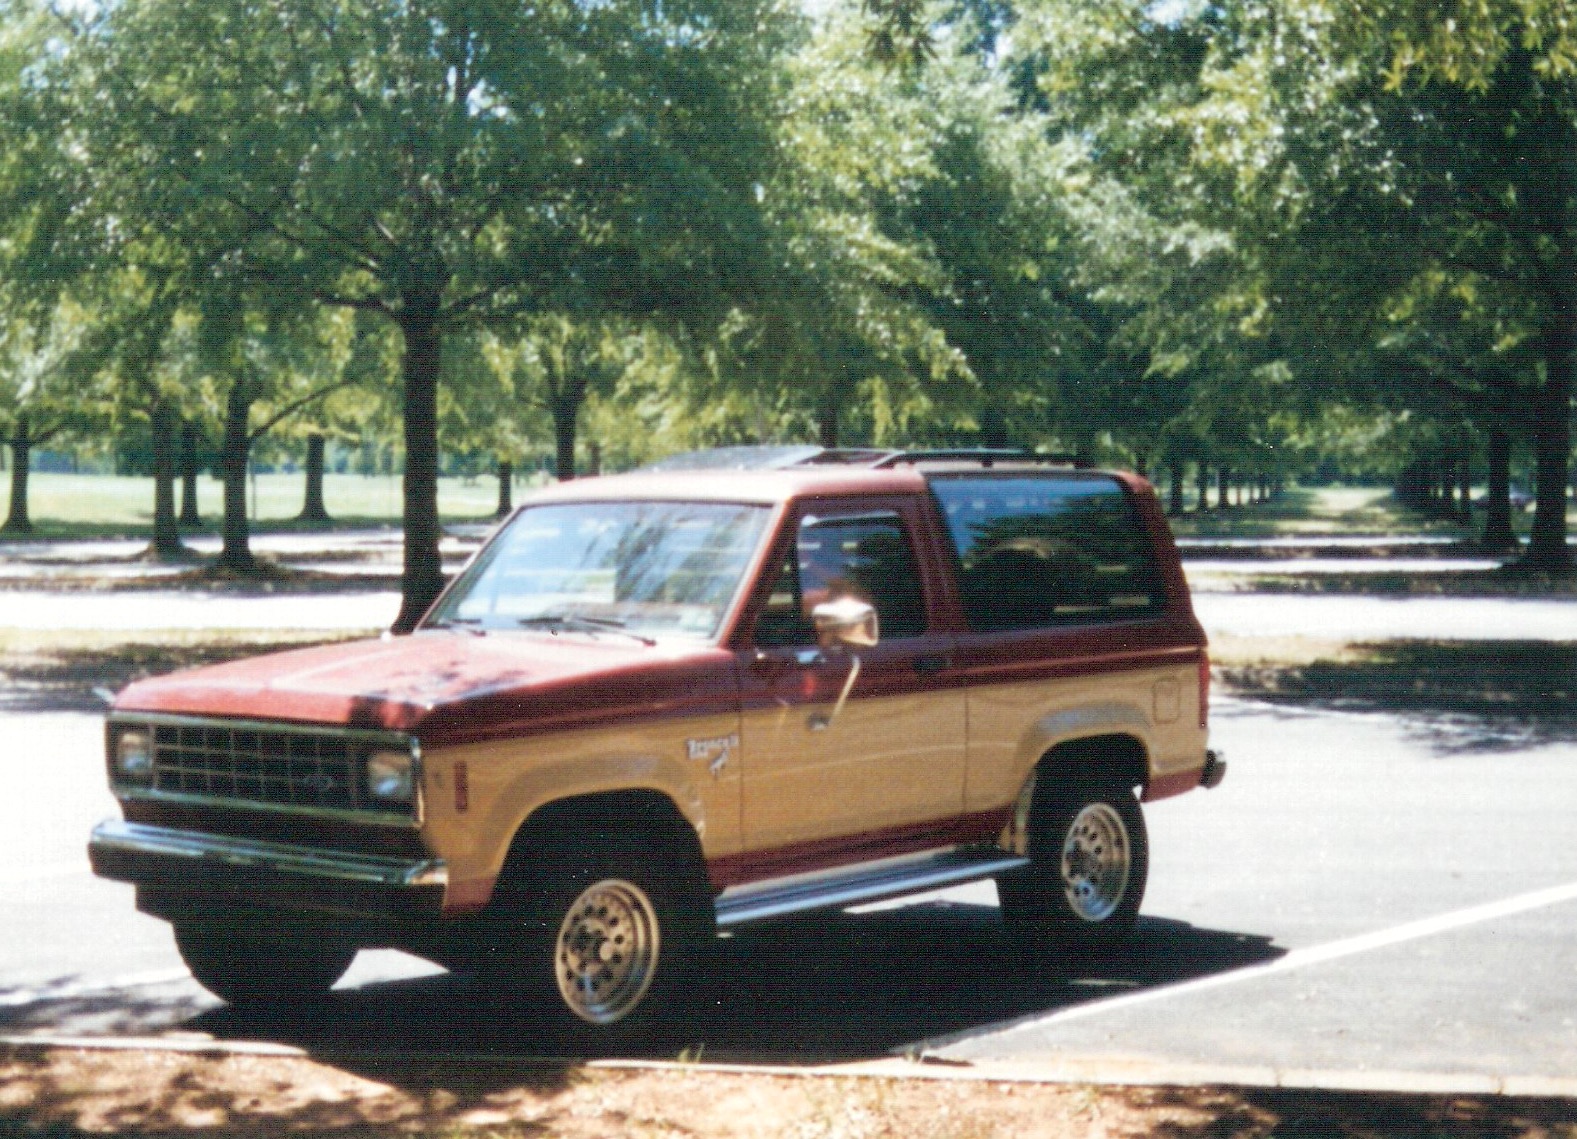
(472, 625)
(583, 624)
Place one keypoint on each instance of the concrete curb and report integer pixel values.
(1098, 1071)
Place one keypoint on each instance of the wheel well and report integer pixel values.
(1119, 756)
(648, 813)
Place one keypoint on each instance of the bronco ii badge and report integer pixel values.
(717, 750)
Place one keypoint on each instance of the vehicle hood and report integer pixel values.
(452, 686)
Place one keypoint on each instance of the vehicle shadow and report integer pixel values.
(820, 989)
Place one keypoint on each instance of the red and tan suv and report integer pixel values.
(659, 704)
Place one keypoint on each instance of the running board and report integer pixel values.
(866, 882)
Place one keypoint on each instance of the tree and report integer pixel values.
(839, 325)
(285, 363)
(445, 164)
(42, 396)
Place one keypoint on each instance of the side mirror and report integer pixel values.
(847, 623)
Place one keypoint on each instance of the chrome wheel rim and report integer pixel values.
(606, 954)
(1096, 860)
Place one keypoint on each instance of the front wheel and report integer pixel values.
(599, 940)
(252, 962)
(1089, 858)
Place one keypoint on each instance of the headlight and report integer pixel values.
(391, 777)
(134, 756)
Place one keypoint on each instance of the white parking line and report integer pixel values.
(1320, 954)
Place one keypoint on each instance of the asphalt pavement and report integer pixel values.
(1378, 896)
(1364, 894)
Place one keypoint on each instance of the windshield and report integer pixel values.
(649, 569)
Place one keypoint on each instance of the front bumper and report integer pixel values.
(213, 869)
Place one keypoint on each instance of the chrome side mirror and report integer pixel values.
(847, 623)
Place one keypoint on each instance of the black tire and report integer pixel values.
(254, 962)
(1089, 859)
(598, 935)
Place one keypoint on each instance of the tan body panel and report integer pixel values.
(883, 762)
(692, 761)
(1013, 725)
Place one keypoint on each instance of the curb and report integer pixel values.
(1096, 1071)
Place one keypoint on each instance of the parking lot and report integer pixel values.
(1366, 894)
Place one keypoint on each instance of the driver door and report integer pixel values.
(890, 763)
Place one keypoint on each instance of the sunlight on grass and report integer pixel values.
(80, 505)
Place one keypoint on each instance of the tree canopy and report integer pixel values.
(1159, 234)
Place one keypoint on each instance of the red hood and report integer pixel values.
(452, 685)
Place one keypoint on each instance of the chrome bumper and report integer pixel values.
(282, 874)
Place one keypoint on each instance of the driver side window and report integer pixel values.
(868, 557)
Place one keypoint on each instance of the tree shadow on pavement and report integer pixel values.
(1458, 697)
(73, 679)
(837, 987)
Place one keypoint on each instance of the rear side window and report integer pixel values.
(1039, 551)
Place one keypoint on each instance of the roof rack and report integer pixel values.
(772, 457)
(985, 456)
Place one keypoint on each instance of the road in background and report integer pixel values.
(1238, 614)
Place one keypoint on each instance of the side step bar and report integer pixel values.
(867, 882)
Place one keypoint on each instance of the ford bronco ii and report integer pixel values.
(661, 704)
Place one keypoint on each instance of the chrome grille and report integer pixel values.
(295, 768)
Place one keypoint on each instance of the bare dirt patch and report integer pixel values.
(65, 1093)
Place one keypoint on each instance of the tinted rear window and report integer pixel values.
(1037, 551)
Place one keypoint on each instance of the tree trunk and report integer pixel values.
(566, 417)
(1174, 504)
(423, 577)
(1222, 476)
(17, 521)
(827, 424)
(993, 427)
(506, 478)
(1498, 534)
(1465, 486)
(1202, 485)
(166, 545)
(234, 450)
(312, 509)
(190, 515)
(1552, 441)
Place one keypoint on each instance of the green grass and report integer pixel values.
(67, 506)
(1308, 512)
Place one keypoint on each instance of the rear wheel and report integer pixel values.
(1089, 858)
(252, 961)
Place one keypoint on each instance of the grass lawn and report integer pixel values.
(69, 506)
(1307, 512)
